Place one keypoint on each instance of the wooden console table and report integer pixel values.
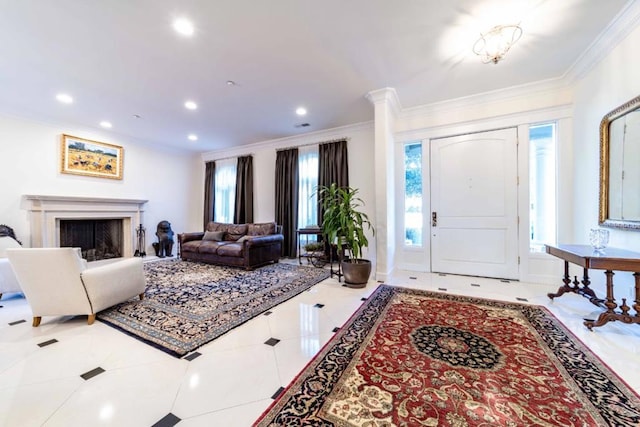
(610, 259)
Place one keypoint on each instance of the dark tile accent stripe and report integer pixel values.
(192, 356)
(336, 329)
(17, 322)
(49, 342)
(319, 305)
(441, 274)
(363, 299)
(266, 313)
(521, 299)
(380, 281)
(475, 284)
(505, 281)
(413, 278)
(277, 393)
(272, 341)
(442, 289)
(168, 420)
(92, 373)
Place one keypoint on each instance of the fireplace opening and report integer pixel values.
(97, 238)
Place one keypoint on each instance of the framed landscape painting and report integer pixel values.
(91, 158)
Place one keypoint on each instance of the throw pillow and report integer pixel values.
(243, 238)
(215, 236)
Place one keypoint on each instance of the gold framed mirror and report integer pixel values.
(620, 167)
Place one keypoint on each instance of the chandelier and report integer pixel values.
(494, 44)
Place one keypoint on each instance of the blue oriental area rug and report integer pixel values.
(188, 304)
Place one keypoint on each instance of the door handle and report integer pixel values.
(434, 219)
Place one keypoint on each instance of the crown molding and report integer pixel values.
(550, 86)
(620, 27)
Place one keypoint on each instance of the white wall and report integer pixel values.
(30, 164)
(608, 85)
(361, 170)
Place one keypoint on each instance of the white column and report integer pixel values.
(386, 108)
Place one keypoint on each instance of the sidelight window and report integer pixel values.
(542, 186)
(413, 194)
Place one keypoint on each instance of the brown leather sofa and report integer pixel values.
(240, 245)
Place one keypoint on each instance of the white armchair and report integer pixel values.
(8, 281)
(56, 282)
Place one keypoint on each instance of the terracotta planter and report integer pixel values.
(356, 274)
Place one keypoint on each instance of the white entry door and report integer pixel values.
(474, 227)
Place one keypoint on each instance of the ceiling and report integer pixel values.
(122, 58)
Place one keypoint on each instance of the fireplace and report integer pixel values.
(48, 215)
(97, 238)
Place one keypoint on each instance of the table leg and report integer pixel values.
(567, 284)
(610, 314)
(586, 291)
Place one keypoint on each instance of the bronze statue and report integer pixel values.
(164, 246)
(5, 230)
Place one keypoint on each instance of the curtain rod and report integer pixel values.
(313, 143)
(230, 157)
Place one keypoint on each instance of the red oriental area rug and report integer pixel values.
(417, 358)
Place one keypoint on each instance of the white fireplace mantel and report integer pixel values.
(45, 213)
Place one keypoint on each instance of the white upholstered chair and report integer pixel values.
(56, 282)
(8, 281)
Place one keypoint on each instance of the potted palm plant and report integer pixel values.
(344, 224)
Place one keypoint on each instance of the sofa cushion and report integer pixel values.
(208, 247)
(235, 231)
(261, 229)
(230, 249)
(191, 246)
(216, 226)
(216, 236)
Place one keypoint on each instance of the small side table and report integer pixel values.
(307, 231)
(608, 260)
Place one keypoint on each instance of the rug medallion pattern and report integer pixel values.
(188, 304)
(416, 358)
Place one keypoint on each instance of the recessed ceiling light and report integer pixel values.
(192, 137)
(231, 83)
(190, 105)
(183, 26)
(301, 111)
(137, 116)
(64, 98)
(106, 124)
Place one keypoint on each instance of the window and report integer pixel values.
(225, 190)
(413, 194)
(307, 183)
(542, 185)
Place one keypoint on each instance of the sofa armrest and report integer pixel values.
(187, 237)
(110, 284)
(268, 239)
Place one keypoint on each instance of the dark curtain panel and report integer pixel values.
(333, 167)
(244, 191)
(287, 198)
(209, 193)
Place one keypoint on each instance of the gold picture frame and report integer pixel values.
(80, 156)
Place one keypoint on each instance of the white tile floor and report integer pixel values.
(231, 384)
